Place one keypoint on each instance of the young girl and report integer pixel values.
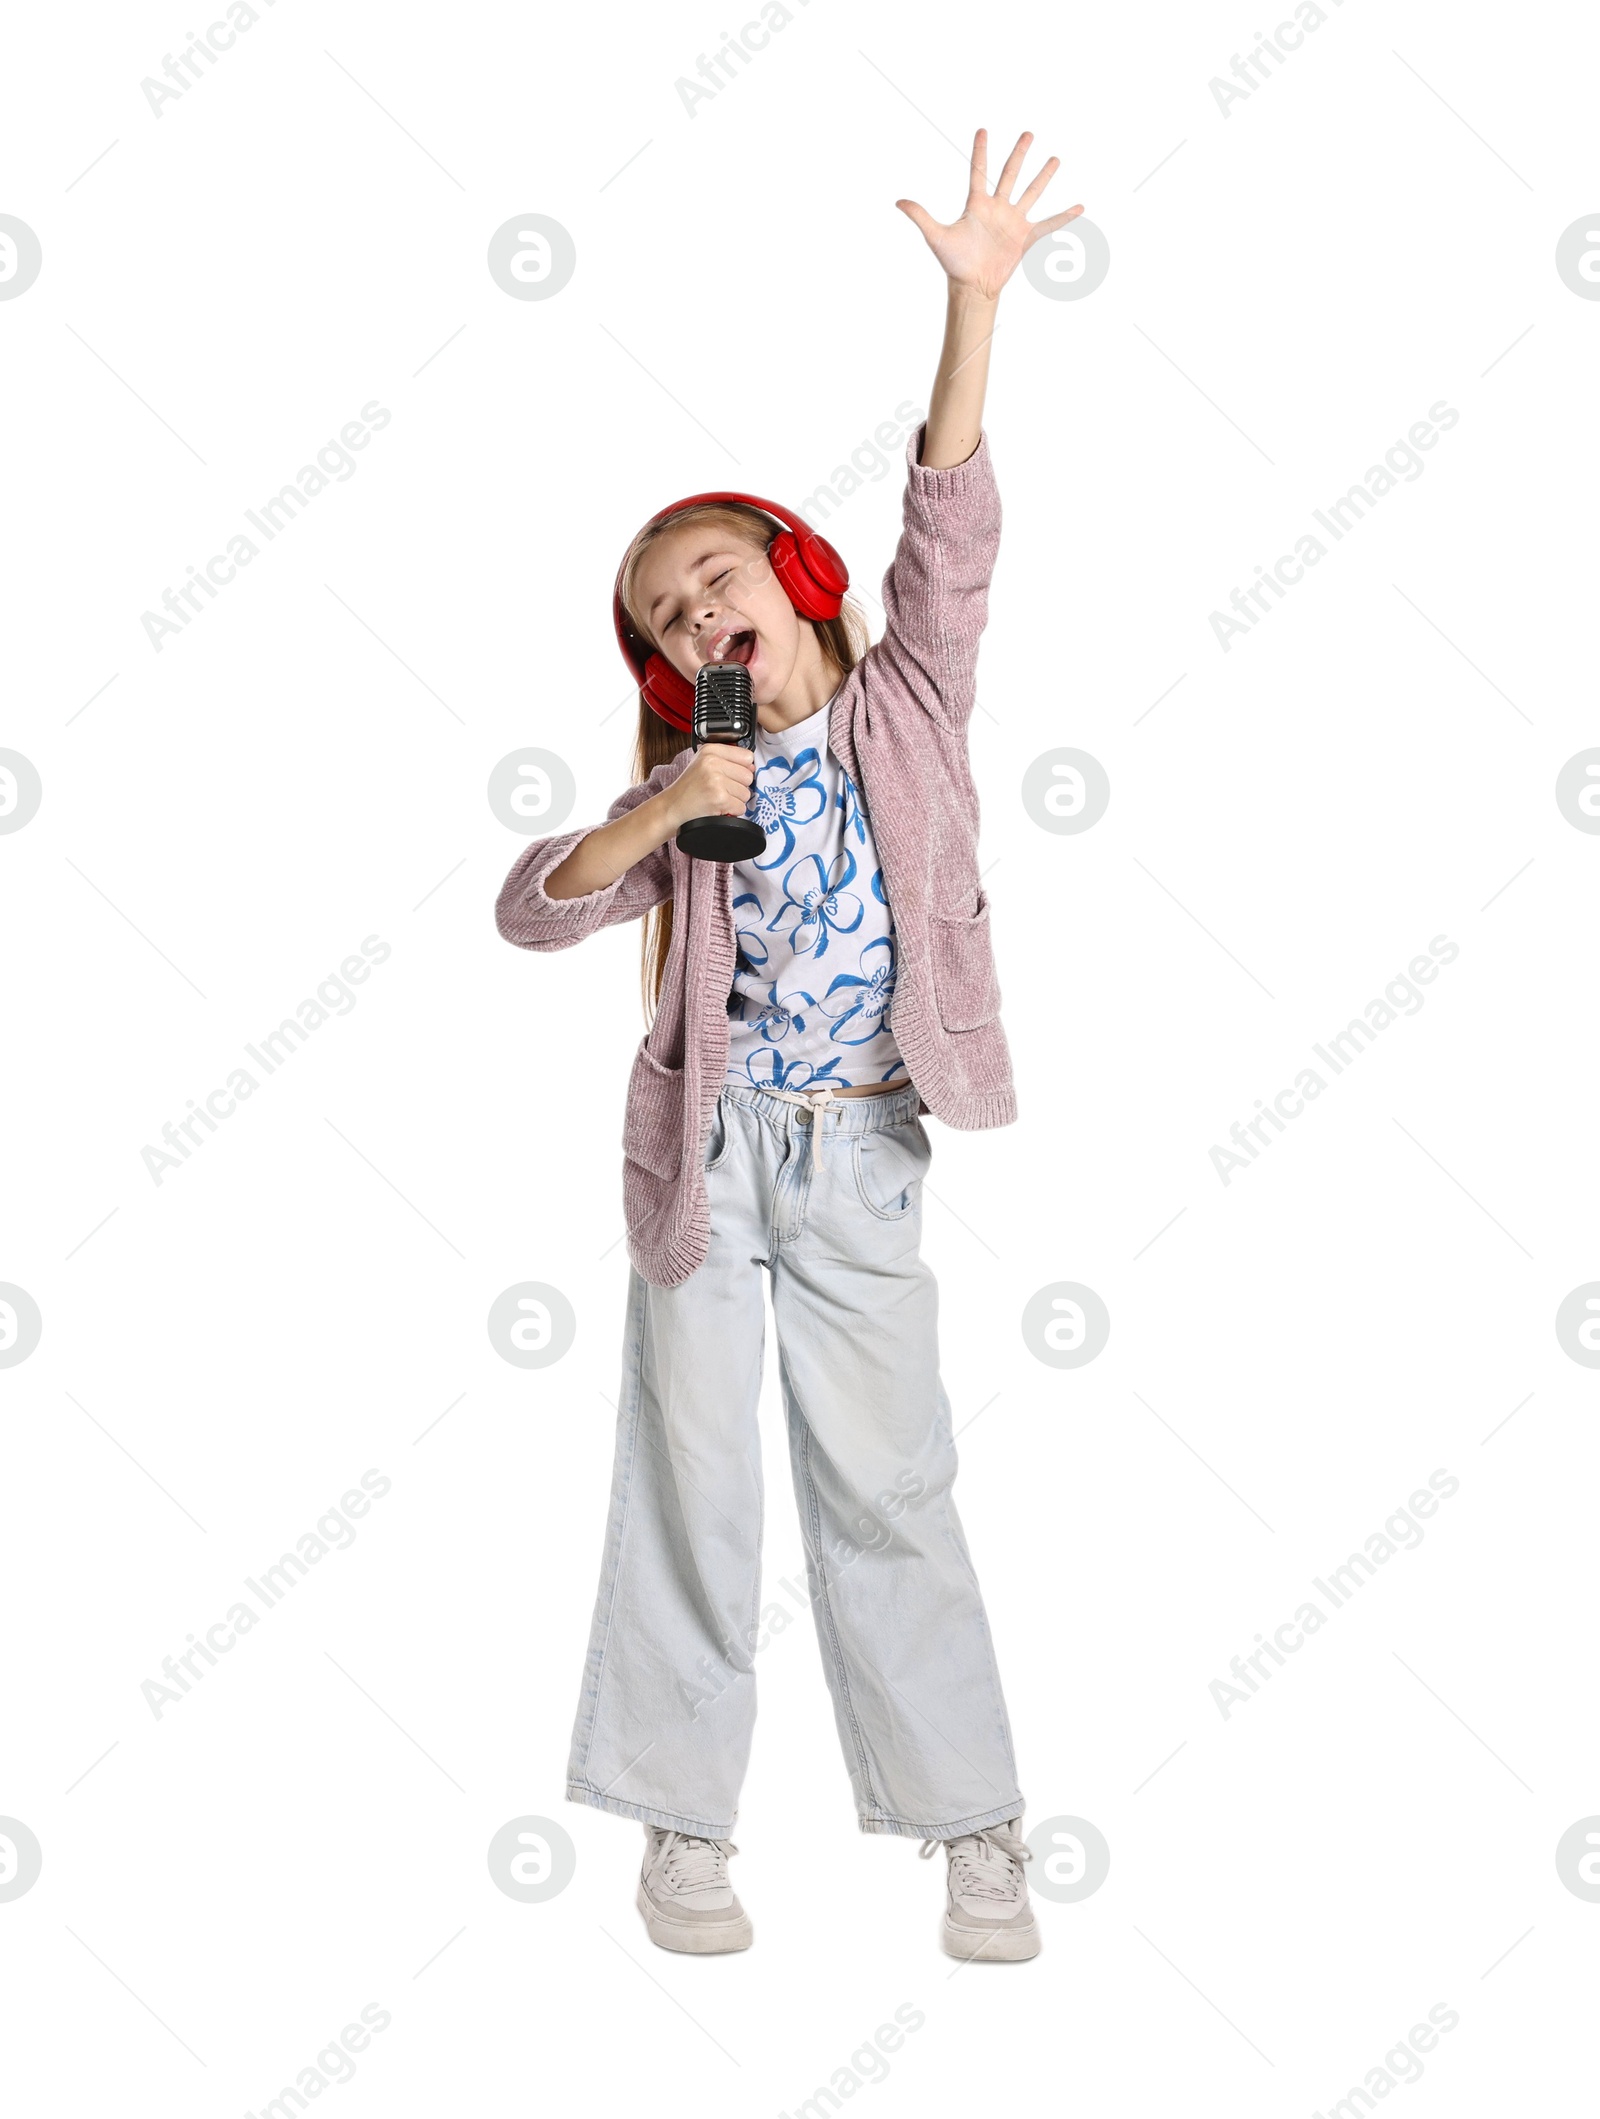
(809, 1005)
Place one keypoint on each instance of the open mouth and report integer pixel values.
(734, 647)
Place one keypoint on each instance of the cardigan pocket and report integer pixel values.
(652, 1128)
(965, 983)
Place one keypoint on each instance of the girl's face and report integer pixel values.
(708, 596)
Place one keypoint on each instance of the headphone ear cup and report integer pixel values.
(824, 566)
(669, 692)
(813, 576)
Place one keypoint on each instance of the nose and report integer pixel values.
(707, 617)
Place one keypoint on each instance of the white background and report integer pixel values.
(306, 764)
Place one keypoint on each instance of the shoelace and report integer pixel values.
(984, 1864)
(692, 1864)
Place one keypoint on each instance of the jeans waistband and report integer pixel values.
(851, 1114)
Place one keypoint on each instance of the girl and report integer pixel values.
(809, 1005)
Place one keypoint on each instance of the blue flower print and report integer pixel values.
(860, 1006)
(776, 1018)
(882, 895)
(817, 904)
(767, 1071)
(849, 800)
(787, 792)
(752, 949)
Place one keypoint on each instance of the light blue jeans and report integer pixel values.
(828, 1202)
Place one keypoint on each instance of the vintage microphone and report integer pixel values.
(724, 712)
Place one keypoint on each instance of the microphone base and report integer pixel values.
(722, 838)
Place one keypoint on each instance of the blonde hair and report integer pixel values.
(843, 641)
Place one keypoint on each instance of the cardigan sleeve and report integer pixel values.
(936, 592)
(525, 913)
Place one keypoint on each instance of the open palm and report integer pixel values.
(984, 248)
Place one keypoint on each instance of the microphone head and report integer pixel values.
(724, 704)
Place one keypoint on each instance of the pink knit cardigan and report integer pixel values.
(898, 725)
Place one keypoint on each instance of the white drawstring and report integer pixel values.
(813, 1099)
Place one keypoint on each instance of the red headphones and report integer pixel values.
(813, 576)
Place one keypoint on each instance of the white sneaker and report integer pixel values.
(685, 1896)
(987, 1913)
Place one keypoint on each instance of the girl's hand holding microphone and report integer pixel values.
(716, 784)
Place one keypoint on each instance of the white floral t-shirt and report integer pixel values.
(814, 975)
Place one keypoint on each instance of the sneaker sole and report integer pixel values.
(991, 1945)
(708, 1940)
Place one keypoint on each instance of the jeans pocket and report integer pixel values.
(719, 1139)
(890, 1164)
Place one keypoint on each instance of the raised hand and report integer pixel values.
(980, 251)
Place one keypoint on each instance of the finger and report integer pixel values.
(1057, 220)
(1013, 168)
(980, 164)
(924, 220)
(1039, 182)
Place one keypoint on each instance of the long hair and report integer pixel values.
(843, 641)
